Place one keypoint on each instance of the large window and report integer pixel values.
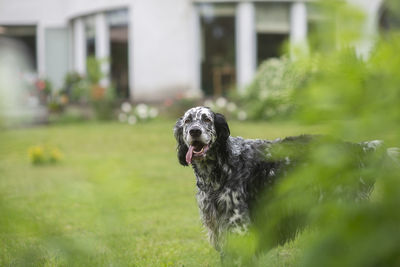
(272, 29)
(218, 48)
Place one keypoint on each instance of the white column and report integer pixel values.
(41, 50)
(130, 52)
(71, 66)
(79, 46)
(298, 27)
(102, 43)
(197, 51)
(245, 44)
(370, 25)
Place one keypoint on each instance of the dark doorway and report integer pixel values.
(218, 61)
(90, 37)
(119, 59)
(269, 45)
(272, 23)
(389, 20)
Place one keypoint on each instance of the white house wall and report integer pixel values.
(41, 13)
(163, 47)
(48, 12)
(246, 43)
(164, 42)
(371, 10)
(162, 59)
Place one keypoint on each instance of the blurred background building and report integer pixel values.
(152, 49)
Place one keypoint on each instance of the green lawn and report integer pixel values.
(118, 197)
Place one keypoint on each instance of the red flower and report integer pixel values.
(40, 84)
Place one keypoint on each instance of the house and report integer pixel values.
(157, 48)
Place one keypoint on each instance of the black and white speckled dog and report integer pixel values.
(231, 172)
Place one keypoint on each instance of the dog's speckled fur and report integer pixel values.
(234, 171)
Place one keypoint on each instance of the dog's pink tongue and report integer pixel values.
(189, 155)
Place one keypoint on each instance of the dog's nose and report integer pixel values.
(195, 132)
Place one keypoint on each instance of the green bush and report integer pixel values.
(270, 93)
(89, 90)
(103, 102)
(76, 87)
(93, 67)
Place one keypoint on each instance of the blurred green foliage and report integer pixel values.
(93, 67)
(357, 96)
(102, 99)
(76, 87)
(270, 95)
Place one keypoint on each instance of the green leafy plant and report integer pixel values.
(93, 67)
(102, 98)
(76, 87)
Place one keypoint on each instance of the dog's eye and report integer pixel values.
(206, 119)
(188, 120)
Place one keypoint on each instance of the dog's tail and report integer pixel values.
(393, 153)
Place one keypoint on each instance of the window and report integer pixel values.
(272, 29)
(218, 47)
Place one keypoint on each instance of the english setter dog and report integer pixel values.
(231, 172)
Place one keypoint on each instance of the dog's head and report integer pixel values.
(198, 131)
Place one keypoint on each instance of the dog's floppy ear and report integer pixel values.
(182, 149)
(221, 127)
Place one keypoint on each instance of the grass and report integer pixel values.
(118, 197)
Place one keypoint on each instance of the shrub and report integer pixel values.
(76, 87)
(270, 94)
(89, 90)
(103, 102)
(102, 98)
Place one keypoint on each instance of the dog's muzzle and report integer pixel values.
(197, 148)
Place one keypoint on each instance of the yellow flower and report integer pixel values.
(55, 155)
(40, 154)
(36, 154)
